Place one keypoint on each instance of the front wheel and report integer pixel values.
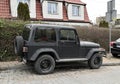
(45, 64)
(95, 61)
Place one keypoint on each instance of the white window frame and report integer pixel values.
(75, 12)
(51, 10)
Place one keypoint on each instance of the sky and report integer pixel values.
(96, 8)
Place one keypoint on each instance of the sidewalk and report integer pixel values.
(109, 60)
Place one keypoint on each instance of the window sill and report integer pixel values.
(76, 15)
(53, 14)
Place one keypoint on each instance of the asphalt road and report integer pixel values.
(19, 73)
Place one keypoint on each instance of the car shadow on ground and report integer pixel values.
(117, 57)
(71, 66)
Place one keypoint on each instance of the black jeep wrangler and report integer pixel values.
(45, 45)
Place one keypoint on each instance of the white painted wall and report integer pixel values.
(71, 17)
(57, 16)
(68, 23)
(32, 8)
(13, 5)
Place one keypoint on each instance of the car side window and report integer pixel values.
(26, 33)
(45, 35)
(67, 35)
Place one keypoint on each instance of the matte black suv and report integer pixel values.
(45, 45)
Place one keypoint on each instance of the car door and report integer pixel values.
(68, 45)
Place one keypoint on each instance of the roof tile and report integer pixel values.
(75, 1)
(86, 17)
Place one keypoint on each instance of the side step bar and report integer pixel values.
(72, 60)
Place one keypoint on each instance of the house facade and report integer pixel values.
(68, 12)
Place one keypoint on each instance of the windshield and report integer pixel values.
(118, 40)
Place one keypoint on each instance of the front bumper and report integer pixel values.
(115, 50)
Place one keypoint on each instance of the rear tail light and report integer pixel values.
(25, 49)
(111, 44)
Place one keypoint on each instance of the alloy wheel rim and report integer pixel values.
(97, 61)
(45, 64)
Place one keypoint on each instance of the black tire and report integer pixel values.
(114, 55)
(18, 45)
(95, 61)
(45, 64)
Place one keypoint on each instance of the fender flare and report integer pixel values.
(96, 50)
(43, 50)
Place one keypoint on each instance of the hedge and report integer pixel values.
(98, 35)
(9, 29)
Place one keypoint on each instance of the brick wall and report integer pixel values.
(65, 17)
(5, 9)
(38, 10)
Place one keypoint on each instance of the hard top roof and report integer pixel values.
(48, 25)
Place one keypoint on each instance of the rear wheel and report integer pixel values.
(95, 61)
(45, 64)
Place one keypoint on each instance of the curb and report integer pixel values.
(110, 64)
(113, 62)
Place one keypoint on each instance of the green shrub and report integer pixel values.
(26, 14)
(23, 11)
(104, 24)
(98, 35)
(9, 29)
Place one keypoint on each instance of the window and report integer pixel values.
(26, 33)
(118, 40)
(47, 35)
(75, 10)
(67, 35)
(52, 8)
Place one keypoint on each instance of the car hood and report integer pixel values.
(89, 44)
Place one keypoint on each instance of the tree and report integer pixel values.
(103, 24)
(23, 11)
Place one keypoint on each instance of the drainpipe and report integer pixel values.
(9, 8)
